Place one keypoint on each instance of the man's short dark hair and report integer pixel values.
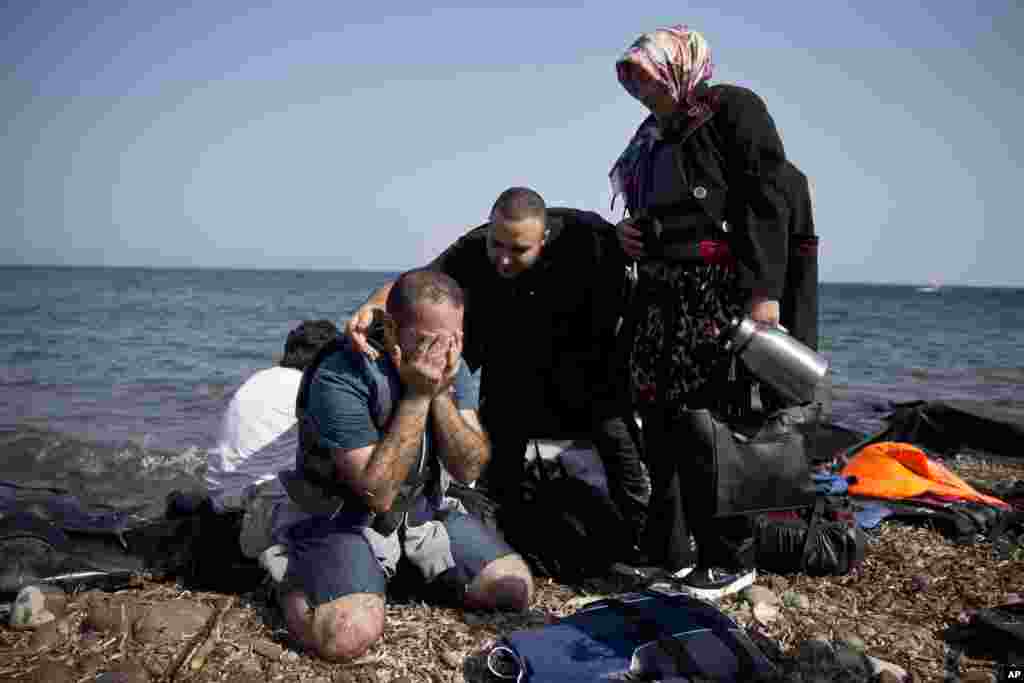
(520, 203)
(416, 287)
(305, 340)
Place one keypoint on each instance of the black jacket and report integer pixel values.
(557, 320)
(731, 155)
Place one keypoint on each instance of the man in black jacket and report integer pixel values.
(544, 297)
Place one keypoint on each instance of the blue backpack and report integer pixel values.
(651, 635)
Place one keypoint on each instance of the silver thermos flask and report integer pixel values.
(777, 359)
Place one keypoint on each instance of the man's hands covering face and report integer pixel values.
(428, 363)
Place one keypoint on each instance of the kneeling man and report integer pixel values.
(379, 441)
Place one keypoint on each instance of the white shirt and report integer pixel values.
(258, 435)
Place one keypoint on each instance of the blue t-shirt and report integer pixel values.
(351, 398)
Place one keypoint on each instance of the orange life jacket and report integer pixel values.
(899, 471)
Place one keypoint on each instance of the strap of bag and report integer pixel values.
(812, 529)
(542, 472)
(652, 631)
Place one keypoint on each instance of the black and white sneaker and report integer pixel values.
(711, 583)
(681, 573)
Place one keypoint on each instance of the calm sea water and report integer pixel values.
(126, 370)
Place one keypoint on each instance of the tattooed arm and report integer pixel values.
(376, 472)
(464, 446)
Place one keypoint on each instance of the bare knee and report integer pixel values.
(340, 630)
(505, 583)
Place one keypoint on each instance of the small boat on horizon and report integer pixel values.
(931, 287)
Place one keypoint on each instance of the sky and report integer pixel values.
(340, 135)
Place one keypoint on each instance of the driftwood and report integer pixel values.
(200, 645)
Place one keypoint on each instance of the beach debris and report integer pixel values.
(214, 633)
(765, 613)
(451, 659)
(45, 637)
(248, 670)
(268, 649)
(112, 613)
(759, 595)
(171, 622)
(919, 583)
(53, 672)
(207, 627)
(129, 671)
(796, 600)
(880, 667)
(977, 677)
(29, 610)
(851, 640)
(581, 601)
(821, 659)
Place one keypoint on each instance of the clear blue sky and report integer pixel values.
(370, 135)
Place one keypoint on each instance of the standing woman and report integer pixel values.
(707, 228)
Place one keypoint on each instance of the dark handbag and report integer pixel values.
(756, 466)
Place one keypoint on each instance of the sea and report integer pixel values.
(113, 380)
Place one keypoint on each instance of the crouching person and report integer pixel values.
(379, 441)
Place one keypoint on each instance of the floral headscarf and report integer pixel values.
(678, 58)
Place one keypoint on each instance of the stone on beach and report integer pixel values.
(112, 613)
(163, 622)
(52, 672)
(759, 595)
(880, 667)
(45, 637)
(170, 622)
(796, 600)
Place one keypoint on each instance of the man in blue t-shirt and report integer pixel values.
(545, 289)
(379, 441)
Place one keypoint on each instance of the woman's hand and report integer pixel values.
(630, 239)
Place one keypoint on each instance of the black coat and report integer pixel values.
(731, 156)
(799, 301)
(554, 323)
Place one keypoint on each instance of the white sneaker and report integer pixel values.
(275, 560)
(682, 573)
(712, 583)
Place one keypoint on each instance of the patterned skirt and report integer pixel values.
(686, 307)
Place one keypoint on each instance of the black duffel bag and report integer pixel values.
(824, 540)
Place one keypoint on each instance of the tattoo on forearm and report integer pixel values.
(397, 452)
(464, 450)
